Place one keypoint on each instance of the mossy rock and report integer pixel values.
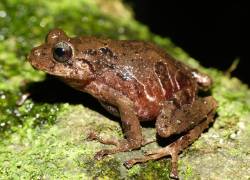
(45, 138)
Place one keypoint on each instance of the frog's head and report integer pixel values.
(57, 56)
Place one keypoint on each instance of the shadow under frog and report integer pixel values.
(53, 91)
(136, 81)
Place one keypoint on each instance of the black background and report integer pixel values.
(212, 32)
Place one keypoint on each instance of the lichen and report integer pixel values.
(46, 137)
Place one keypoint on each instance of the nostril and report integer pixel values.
(36, 52)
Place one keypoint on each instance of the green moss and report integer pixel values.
(151, 170)
(53, 152)
(188, 173)
(47, 139)
(16, 118)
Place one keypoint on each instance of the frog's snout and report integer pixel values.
(34, 54)
(38, 57)
(38, 54)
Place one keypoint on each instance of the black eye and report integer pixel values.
(62, 52)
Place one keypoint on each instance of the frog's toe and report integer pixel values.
(128, 164)
(174, 175)
(163, 151)
(92, 136)
(100, 155)
(151, 155)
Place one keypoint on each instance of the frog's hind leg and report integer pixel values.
(174, 148)
(174, 120)
(195, 118)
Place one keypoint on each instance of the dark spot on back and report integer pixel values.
(111, 66)
(90, 52)
(106, 51)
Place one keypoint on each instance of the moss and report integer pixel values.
(188, 172)
(45, 138)
(21, 118)
(151, 170)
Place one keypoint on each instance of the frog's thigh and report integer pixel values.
(174, 121)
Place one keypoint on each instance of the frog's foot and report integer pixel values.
(121, 145)
(157, 154)
(94, 136)
(174, 148)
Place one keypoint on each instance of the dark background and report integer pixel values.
(211, 32)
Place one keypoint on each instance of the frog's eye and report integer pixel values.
(62, 52)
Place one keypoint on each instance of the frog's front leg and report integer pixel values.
(131, 127)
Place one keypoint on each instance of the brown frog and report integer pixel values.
(136, 81)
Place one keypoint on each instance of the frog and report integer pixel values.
(136, 81)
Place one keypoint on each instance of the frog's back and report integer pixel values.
(147, 75)
(152, 64)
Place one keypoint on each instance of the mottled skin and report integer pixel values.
(137, 81)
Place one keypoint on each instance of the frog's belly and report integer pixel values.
(110, 108)
(145, 113)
